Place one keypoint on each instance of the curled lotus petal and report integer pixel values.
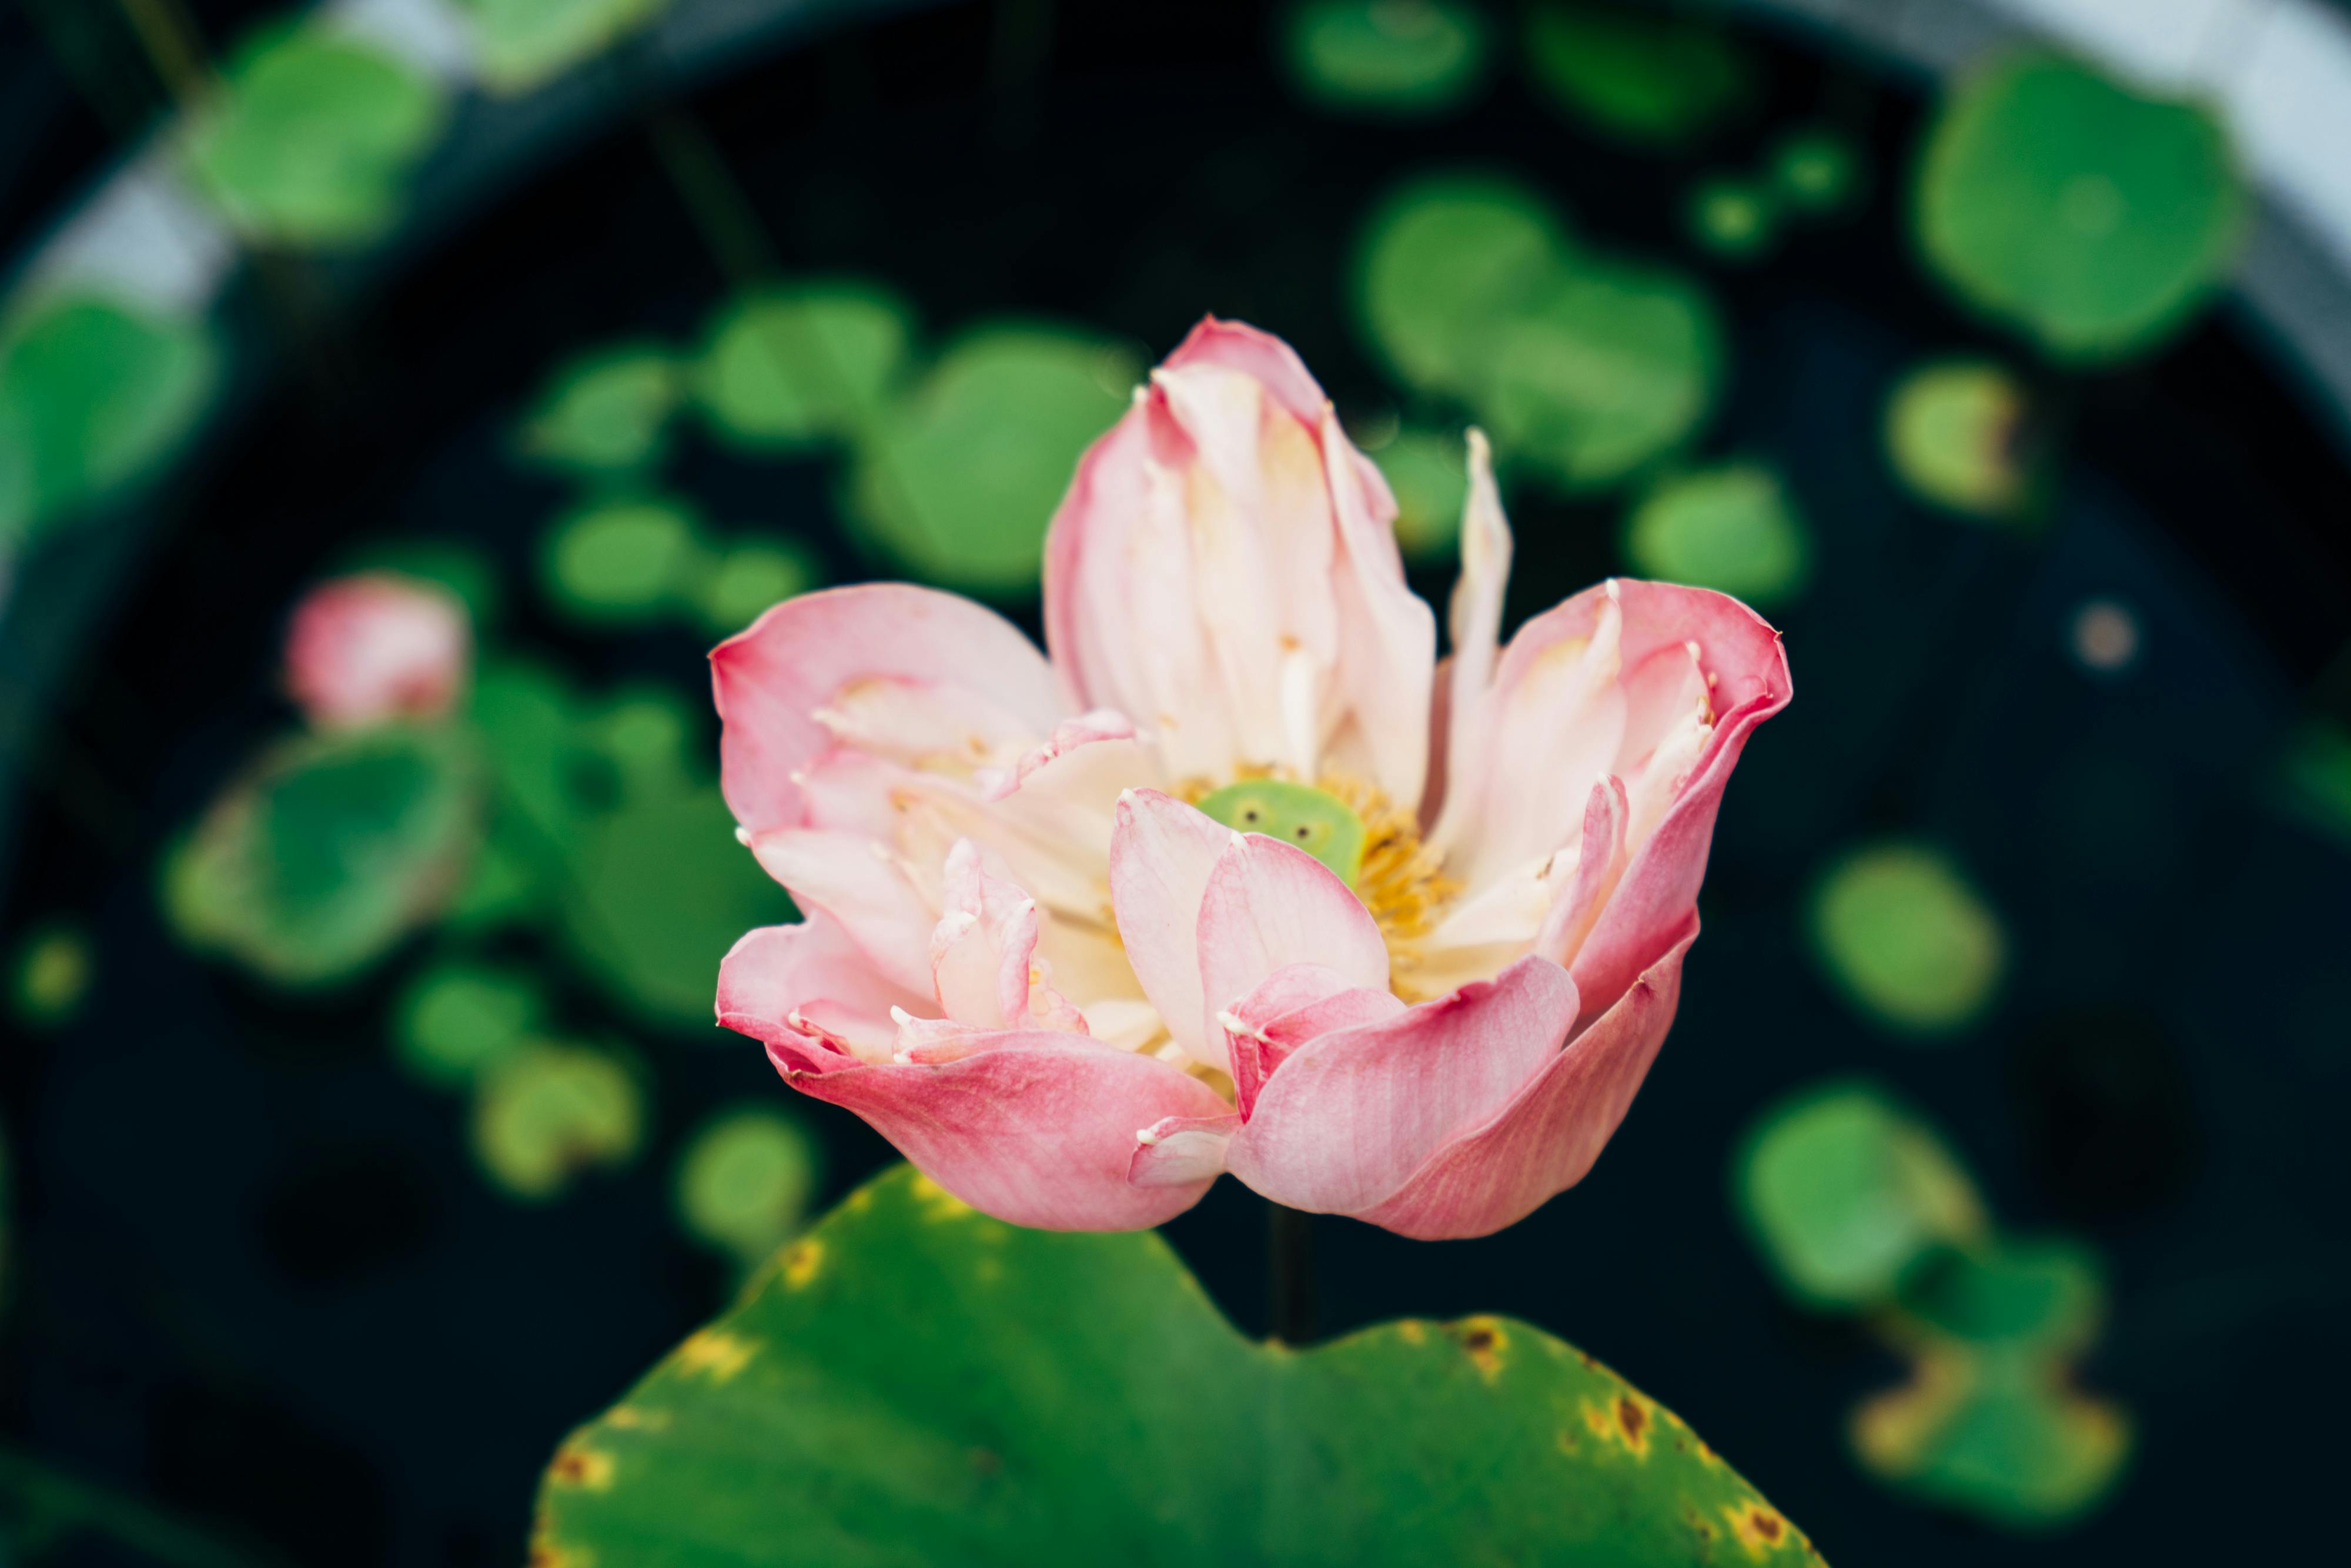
(377, 647)
(1240, 879)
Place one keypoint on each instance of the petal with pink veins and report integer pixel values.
(1176, 1151)
(1349, 1117)
(1268, 906)
(814, 969)
(1547, 1137)
(1160, 854)
(858, 884)
(1294, 1005)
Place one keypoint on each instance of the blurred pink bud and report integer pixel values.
(1034, 963)
(376, 646)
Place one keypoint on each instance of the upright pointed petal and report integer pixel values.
(1548, 1136)
(1160, 854)
(1349, 1117)
(769, 681)
(1475, 622)
(1036, 1128)
(1600, 862)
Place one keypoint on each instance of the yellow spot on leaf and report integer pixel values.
(546, 1552)
(937, 1202)
(632, 1418)
(860, 1201)
(1486, 1343)
(1759, 1527)
(1412, 1331)
(713, 1351)
(801, 1263)
(578, 1465)
(1624, 1418)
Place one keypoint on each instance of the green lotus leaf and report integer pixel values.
(546, 1112)
(2001, 1436)
(1731, 528)
(659, 890)
(2041, 1296)
(815, 361)
(1430, 475)
(94, 391)
(313, 139)
(624, 562)
(1908, 939)
(1614, 367)
(607, 412)
(1817, 172)
(1441, 261)
(528, 719)
(911, 1384)
(520, 44)
(1655, 81)
(49, 976)
(1843, 1192)
(960, 480)
(459, 1018)
(1388, 56)
(1736, 219)
(744, 1183)
(2094, 217)
(328, 852)
(749, 578)
(2314, 776)
(1953, 434)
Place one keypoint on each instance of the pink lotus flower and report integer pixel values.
(1043, 955)
(376, 646)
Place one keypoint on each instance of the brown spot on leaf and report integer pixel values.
(1634, 1422)
(1486, 1343)
(578, 1465)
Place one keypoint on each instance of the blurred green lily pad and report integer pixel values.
(960, 479)
(2094, 217)
(607, 412)
(93, 392)
(1953, 435)
(1737, 219)
(313, 138)
(1614, 366)
(547, 1111)
(2314, 776)
(659, 890)
(2003, 1438)
(460, 1017)
(624, 562)
(749, 578)
(1731, 528)
(49, 975)
(1655, 81)
(2044, 1297)
(1817, 172)
(1908, 939)
(913, 1384)
(520, 44)
(1389, 56)
(1845, 1191)
(1430, 475)
(328, 852)
(1441, 261)
(816, 361)
(744, 1183)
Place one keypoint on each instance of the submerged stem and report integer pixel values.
(1290, 1252)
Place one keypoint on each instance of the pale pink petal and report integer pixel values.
(769, 681)
(1036, 1128)
(1547, 1137)
(1268, 906)
(1294, 1005)
(1160, 854)
(855, 881)
(1086, 729)
(1176, 1151)
(984, 962)
(1238, 346)
(377, 647)
(1348, 1117)
(1475, 619)
(1600, 862)
(811, 969)
(1387, 656)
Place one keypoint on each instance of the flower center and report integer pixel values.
(1368, 842)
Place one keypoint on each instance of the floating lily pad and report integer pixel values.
(1388, 56)
(746, 1181)
(1441, 261)
(2043, 1297)
(1614, 367)
(50, 976)
(1817, 172)
(1953, 433)
(1908, 939)
(1731, 528)
(960, 481)
(660, 889)
(2095, 218)
(644, 733)
(1845, 1192)
(520, 44)
(2002, 1438)
(1430, 477)
(1736, 219)
(528, 720)
(2314, 777)
(1655, 81)
(458, 1019)
(623, 562)
(913, 1384)
(313, 140)
(749, 579)
(93, 392)
(607, 412)
(546, 1112)
(329, 850)
(814, 362)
